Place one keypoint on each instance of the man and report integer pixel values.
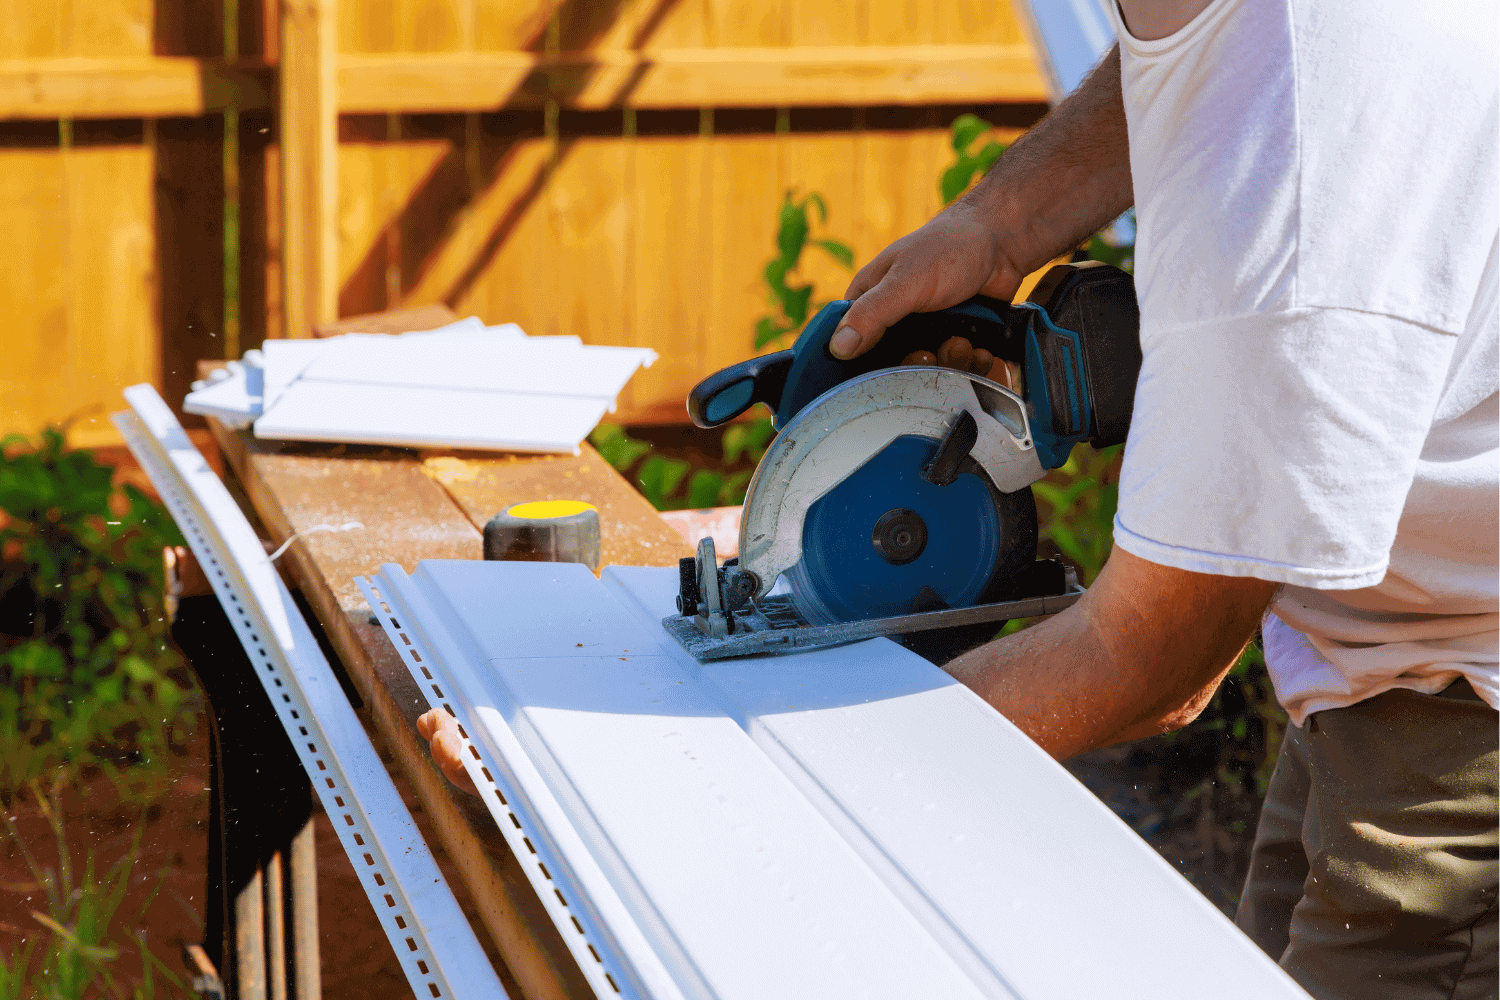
(1314, 444)
(1314, 441)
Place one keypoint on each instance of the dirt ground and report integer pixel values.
(1206, 837)
(165, 888)
(167, 882)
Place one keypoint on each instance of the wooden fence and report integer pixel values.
(180, 179)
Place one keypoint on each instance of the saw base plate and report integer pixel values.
(771, 625)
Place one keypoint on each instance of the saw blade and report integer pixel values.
(843, 430)
(886, 542)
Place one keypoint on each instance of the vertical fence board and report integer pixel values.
(35, 287)
(109, 28)
(33, 30)
(832, 22)
(510, 24)
(386, 212)
(601, 25)
(748, 191)
(469, 270)
(191, 28)
(309, 165)
(431, 25)
(824, 162)
(980, 21)
(189, 219)
(77, 218)
(366, 26)
(506, 226)
(679, 25)
(748, 23)
(584, 219)
(587, 209)
(670, 245)
(113, 338)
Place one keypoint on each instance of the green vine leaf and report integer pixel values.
(85, 662)
(792, 302)
(767, 330)
(703, 489)
(841, 252)
(965, 129)
(968, 164)
(658, 478)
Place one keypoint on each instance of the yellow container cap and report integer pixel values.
(540, 510)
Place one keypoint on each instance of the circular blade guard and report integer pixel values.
(838, 508)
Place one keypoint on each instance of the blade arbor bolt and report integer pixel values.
(899, 536)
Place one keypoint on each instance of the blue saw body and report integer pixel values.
(1076, 340)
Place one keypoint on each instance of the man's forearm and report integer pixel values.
(1066, 178)
(1140, 654)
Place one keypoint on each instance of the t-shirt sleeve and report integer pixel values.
(1304, 269)
(1279, 446)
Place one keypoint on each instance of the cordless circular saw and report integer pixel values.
(895, 499)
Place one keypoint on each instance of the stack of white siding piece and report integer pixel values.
(465, 385)
(846, 822)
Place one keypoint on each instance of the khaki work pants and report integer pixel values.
(1374, 867)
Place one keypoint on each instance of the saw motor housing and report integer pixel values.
(951, 454)
(1077, 337)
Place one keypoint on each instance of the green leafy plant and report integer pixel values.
(13, 969)
(1080, 499)
(659, 476)
(1106, 246)
(793, 302)
(970, 162)
(87, 676)
(748, 439)
(1250, 721)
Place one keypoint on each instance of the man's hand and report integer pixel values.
(1058, 184)
(952, 258)
(441, 730)
(1141, 653)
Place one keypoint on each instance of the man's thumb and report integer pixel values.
(866, 321)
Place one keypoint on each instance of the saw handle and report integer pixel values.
(726, 394)
(981, 321)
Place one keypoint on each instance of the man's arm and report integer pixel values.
(1139, 654)
(1059, 183)
(1150, 20)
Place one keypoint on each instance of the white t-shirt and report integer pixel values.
(1317, 211)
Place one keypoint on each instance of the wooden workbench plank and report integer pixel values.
(483, 485)
(407, 518)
